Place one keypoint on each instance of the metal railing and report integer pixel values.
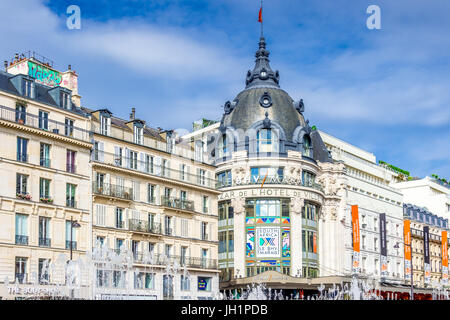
(22, 157)
(168, 231)
(204, 236)
(22, 240)
(71, 168)
(44, 162)
(120, 224)
(144, 226)
(112, 190)
(21, 277)
(162, 259)
(152, 169)
(32, 120)
(71, 203)
(44, 242)
(271, 180)
(71, 243)
(177, 203)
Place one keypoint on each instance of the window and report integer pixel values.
(45, 155)
(138, 135)
(205, 204)
(136, 190)
(259, 173)
(119, 245)
(148, 163)
(308, 178)
(133, 160)
(71, 235)
(21, 114)
(21, 184)
(223, 146)
(204, 284)
(44, 232)
(118, 156)
(44, 189)
(43, 120)
(118, 279)
(183, 255)
(151, 193)
(168, 250)
(185, 283)
(167, 286)
(43, 271)
(68, 128)
(64, 99)
(167, 225)
(70, 161)
(184, 227)
(22, 149)
(70, 195)
(21, 229)
(105, 125)
(99, 241)
(135, 249)
(306, 148)
(27, 88)
(267, 141)
(183, 195)
(203, 229)
(21, 270)
(204, 257)
(183, 174)
(224, 179)
(309, 243)
(310, 212)
(119, 218)
(164, 168)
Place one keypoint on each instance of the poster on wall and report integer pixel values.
(426, 253)
(444, 248)
(355, 237)
(407, 240)
(268, 242)
(383, 245)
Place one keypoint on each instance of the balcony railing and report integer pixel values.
(44, 162)
(162, 259)
(204, 236)
(22, 240)
(31, 120)
(21, 277)
(71, 243)
(71, 168)
(177, 203)
(144, 226)
(120, 224)
(168, 231)
(112, 190)
(22, 157)
(152, 169)
(44, 242)
(71, 203)
(270, 180)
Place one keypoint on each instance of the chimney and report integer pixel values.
(6, 65)
(69, 67)
(16, 57)
(133, 114)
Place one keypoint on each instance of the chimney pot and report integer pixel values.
(133, 112)
(6, 65)
(70, 67)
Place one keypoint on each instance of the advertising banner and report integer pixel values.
(268, 242)
(407, 241)
(383, 245)
(356, 240)
(444, 247)
(314, 243)
(426, 253)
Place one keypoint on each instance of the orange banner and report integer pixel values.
(444, 249)
(314, 243)
(355, 228)
(407, 239)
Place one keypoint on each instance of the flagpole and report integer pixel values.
(261, 20)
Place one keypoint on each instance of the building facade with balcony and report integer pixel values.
(419, 218)
(45, 174)
(155, 204)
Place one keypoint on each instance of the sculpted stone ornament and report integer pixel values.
(297, 205)
(238, 204)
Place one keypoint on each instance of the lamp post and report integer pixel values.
(412, 273)
(73, 224)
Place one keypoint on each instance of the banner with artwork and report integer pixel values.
(356, 240)
(444, 250)
(267, 242)
(426, 253)
(383, 245)
(407, 241)
(250, 244)
(285, 243)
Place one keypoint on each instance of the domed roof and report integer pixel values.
(264, 104)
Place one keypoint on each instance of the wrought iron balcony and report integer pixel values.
(32, 120)
(144, 226)
(112, 190)
(44, 242)
(71, 243)
(177, 203)
(162, 259)
(22, 240)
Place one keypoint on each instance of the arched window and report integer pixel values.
(223, 146)
(267, 141)
(306, 146)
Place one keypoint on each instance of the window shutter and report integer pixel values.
(158, 166)
(181, 171)
(208, 179)
(141, 166)
(101, 154)
(127, 155)
(198, 175)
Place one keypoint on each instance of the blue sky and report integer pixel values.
(386, 91)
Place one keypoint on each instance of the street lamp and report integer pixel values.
(412, 274)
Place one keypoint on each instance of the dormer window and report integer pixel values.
(64, 99)
(27, 88)
(223, 146)
(105, 125)
(138, 135)
(306, 146)
(266, 141)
